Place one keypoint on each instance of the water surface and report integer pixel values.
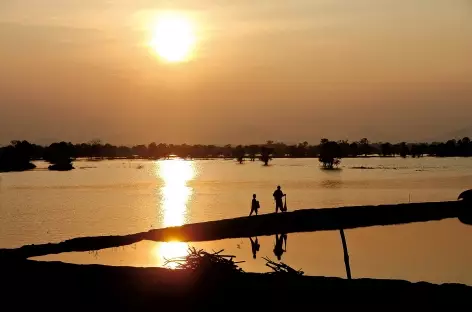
(122, 197)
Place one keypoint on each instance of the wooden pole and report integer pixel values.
(346, 255)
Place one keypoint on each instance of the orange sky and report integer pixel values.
(280, 70)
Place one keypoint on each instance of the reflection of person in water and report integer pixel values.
(255, 246)
(279, 245)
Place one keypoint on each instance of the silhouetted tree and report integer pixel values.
(353, 149)
(314, 151)
(252, 151)
(386, 149)
(404, 150)
(123, 152)
(465, 147)
(344, 148)
(60, 156)
(279, 150)
(226, 152)
(329, 152)
(365, 147)
(108, 151)
(17, 156)
(418, 150)
(153, 152)
(292, 151)
(140, 150)
(265, 155)
(239, 153)
(95, 149)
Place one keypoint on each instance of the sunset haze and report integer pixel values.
(268, 70)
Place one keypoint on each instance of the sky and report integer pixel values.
(388, 70)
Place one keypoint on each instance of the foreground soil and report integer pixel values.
(55, 286)
(305, 220)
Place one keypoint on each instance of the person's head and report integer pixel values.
(254, 196)
(278, 187)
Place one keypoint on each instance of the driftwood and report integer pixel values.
(306, 220)
(281, 268)
(203, 261)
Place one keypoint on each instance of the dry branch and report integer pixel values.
(202, 260)
(282, 268)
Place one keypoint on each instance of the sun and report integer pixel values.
(173, 37)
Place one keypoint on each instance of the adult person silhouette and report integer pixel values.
(278, 196)
(254, 205)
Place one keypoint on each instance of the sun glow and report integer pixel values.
(173, 37)
(175, 194)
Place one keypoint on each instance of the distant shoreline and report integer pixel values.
(97, 150)
(18, 155)
(232, 159)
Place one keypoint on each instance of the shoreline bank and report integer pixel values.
(60, 286)
(306, 220)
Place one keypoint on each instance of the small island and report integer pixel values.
(59, 155)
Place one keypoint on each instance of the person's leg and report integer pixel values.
(277, 206)
(250, 214)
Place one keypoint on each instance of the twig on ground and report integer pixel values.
(202, 260)
(281, 268)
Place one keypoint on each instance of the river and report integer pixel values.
(122, 197)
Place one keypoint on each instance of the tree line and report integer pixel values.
(18, 155)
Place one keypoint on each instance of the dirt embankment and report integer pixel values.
(55, 286)
(306, 220)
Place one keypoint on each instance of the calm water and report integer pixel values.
(122, 197)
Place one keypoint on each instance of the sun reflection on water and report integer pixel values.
(175, 194)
